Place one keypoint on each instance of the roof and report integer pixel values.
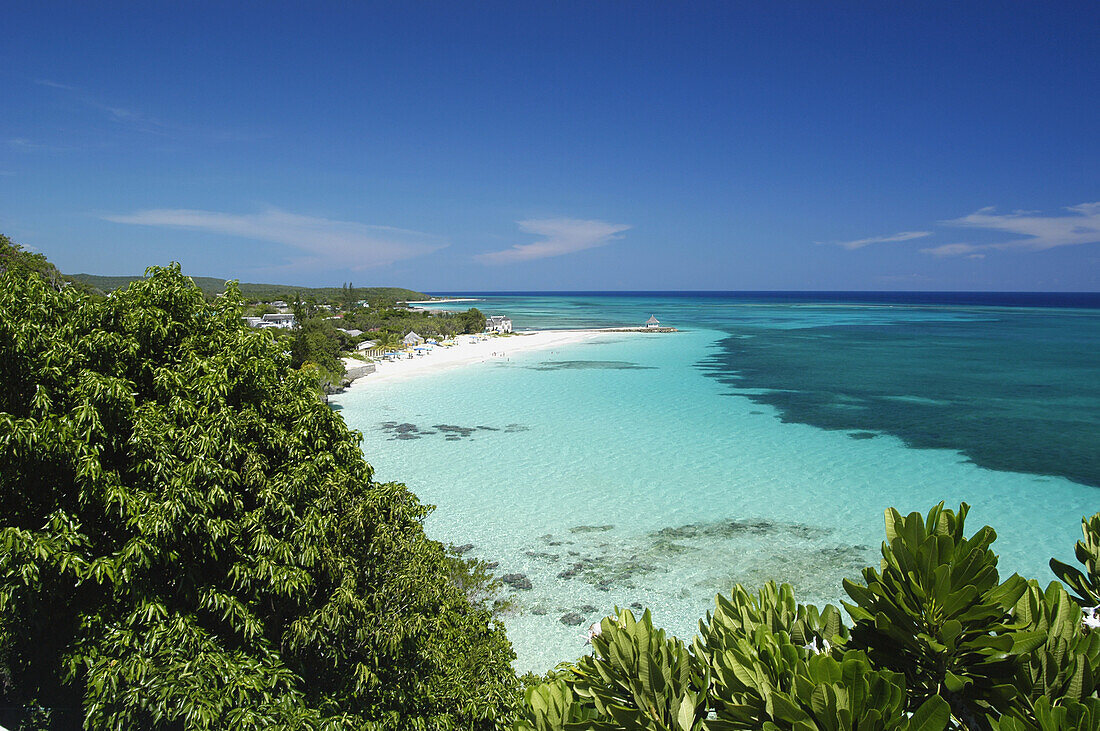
(652, 321)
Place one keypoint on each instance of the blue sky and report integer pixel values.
(542, 146)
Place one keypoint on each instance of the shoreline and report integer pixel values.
(493, 348)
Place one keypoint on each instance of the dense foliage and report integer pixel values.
(936, 641)
(400, 321)
(191, 539)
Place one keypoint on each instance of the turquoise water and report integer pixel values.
(762, 441)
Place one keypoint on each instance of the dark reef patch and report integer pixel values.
(517, 581)
(450, 432)
(718, 553)
(733, 528)
(454, 432)
(863, 435)
(403, 430)
(591, 528)
(589, 365)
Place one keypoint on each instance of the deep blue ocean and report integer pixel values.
(762, 440)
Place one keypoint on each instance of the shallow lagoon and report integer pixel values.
(646, 470)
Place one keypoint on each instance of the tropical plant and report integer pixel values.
(768, 683)
(1083, 716)
(938, 613)
(773, 608)
(635, 678)
(937, 641)
(1066, 667)
(388, 342)
(1087, 583)
(552, 706)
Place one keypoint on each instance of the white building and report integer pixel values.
(413, 339)
(278, 319)
(652, 322)
(498, 324)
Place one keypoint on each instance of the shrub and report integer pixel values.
(936, 641)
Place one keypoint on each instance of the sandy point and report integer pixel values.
(466, 353)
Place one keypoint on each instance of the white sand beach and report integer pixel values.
(441, 301)
(465, 353)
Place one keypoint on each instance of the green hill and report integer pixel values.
(266, 292)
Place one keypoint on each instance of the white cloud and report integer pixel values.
(325, 243)
(860, 243)
(559, 236)
(54, 84)
(22, 143)
(1080, 226)
(952, 250)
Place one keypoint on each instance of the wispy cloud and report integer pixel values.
(559, 236)
(54, 84)
(27, 145)
(950, 250)
(135, 120)
(325, 242)
(860, 243)
(1081, 225)
(895, 278)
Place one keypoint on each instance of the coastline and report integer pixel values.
(442, 301)
(494, 348)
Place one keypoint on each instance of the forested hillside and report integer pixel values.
(267, 292)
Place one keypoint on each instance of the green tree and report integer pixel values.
(191, 539)
(316, 341)
(472, 321)
(348, 298)
(388, 341)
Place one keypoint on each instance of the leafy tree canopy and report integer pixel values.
(191, 539)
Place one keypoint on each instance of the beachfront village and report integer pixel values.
(343, 341)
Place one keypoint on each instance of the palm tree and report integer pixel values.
(387, 342)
